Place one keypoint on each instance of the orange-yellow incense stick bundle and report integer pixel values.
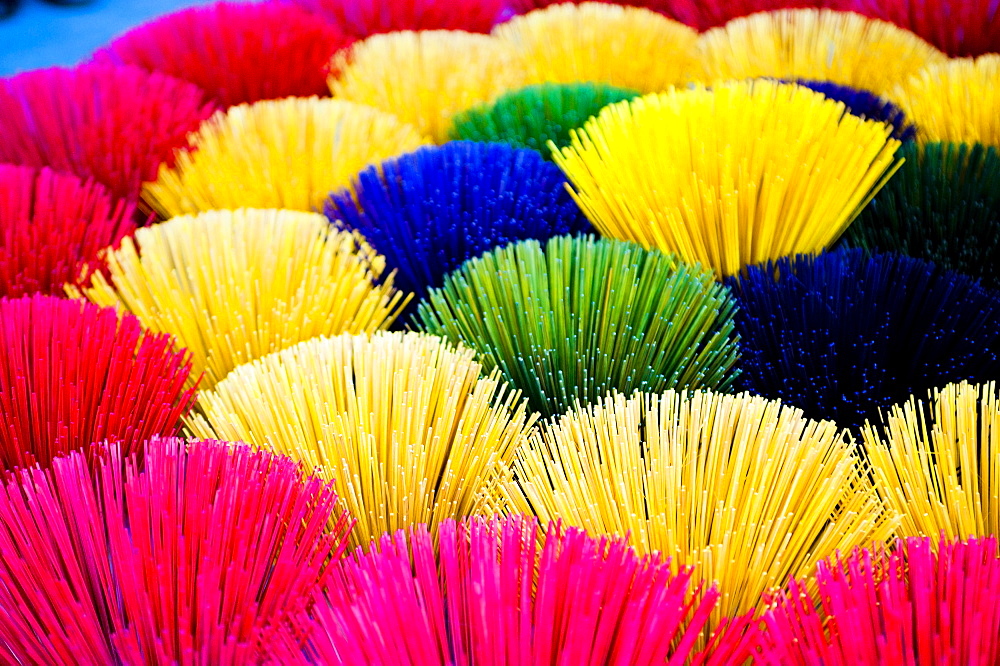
(630, 47)
(814, 44)
(739, 174)
(424, 78)
(403, 421)
(232, 286)
(289, 153)
(957, 100)
(745, 489)
(942, 475)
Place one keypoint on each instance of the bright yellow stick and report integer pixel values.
(403, 421)
(818, 44)
(288, 153)
(426, 77)
(957, 100)
(740, 174)
(629, 47)
(943, 476)
(232, 286)
(745, 489)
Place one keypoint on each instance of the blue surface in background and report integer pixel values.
(42, 35)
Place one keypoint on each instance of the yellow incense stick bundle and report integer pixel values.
(943, 475)
(232, 286)
(289, 153)
(738, 174)
(745, 489)
(403, 421)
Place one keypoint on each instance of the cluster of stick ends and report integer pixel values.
(121, 544)
(205, 552)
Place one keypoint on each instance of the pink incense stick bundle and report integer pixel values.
(236, 52)
(185, 554)
(73, 373)
(113, 124)
(52, 227)
(494, 594)
(914, 607)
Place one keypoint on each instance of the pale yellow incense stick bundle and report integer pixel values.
(956, 100)
(425, 77)
(814, 44)
(403, 421)
(630, 47)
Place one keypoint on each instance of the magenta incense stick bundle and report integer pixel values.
(189, 553)
(494, 592)
(909, 606)
(52, 227)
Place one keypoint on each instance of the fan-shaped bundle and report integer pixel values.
(706, 14)
(866, 105)
(497, 592)
(957, 100)
(51, 226)
(237, 52)
(667, 7)
(965, 28)
(403, 421)
(734, 175)
(843, 334)
(73, 373)
(363, 18)
(568, 323)
(744, 489)
(532, 116)
(630, 47)
(910, 606)
(188, 553)
(942, 474)
(113, 124)
(817, 44)
(424, 78)
(429, 211)
(699, 14)
(289, 153)
(943, 205)
(232, 286)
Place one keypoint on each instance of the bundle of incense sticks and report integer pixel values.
(486, 332)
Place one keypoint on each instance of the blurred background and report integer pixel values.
(42, 35)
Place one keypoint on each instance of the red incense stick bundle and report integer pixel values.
(72, 374)
(236, 52)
